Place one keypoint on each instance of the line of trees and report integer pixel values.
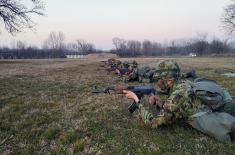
(56, 47)
(199, 47)
(20, 50)
(29, 53)
(53, 47)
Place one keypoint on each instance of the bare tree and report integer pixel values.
(15, 15)
(218, 47)
(121, 46)
(21, 45)
(134, 47)
(84, 47)
(55, 41)
(60, 40)
(228, 18)
(157, 48)
(72, 47)
(200, 47)
(147, 48)
(81, 45)
(52, 40)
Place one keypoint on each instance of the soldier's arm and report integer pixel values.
(176, 107)
(149, 118)
(145, 115)
(133, 74)
(172, 110)
(179, 104)
(162, 118)
(178, 99)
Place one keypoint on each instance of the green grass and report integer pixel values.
(54, 112)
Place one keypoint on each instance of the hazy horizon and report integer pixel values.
(100, 21)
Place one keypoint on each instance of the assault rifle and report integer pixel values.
(140, 92)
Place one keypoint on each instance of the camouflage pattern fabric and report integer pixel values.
(111, 62)
(113, 66)
(134, 63)
(125, 64)
(131, 75)
(120, 68)
(166, 69)
(178, 106)
(141, 73)
(145, 73)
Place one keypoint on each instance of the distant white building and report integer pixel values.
(192, 54)
(74, 56)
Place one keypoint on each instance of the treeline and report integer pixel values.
(30, 53)
(199, 47)
(53, 47)
(56, 47)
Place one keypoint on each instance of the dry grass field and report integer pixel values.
(46, 107)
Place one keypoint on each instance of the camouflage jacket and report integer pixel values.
(140, 73)
(177, 107)
(131, 75)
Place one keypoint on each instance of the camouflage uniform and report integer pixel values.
(113, 65)
(178, 106)
(166, 68)
(111, 62)
(145, 73)
(118, 65)
(141, 73)
(181, 106)
(131, 74)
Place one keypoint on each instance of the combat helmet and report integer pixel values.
(133, 63)
(118, 62)
(167, 69)
(125, 64)
(111, 61)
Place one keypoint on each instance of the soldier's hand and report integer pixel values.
(159, 102)
(152, 100)
(131, 95)
(155, 100)
(117, 71)
(119, 88)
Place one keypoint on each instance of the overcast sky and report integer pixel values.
(98, 21)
